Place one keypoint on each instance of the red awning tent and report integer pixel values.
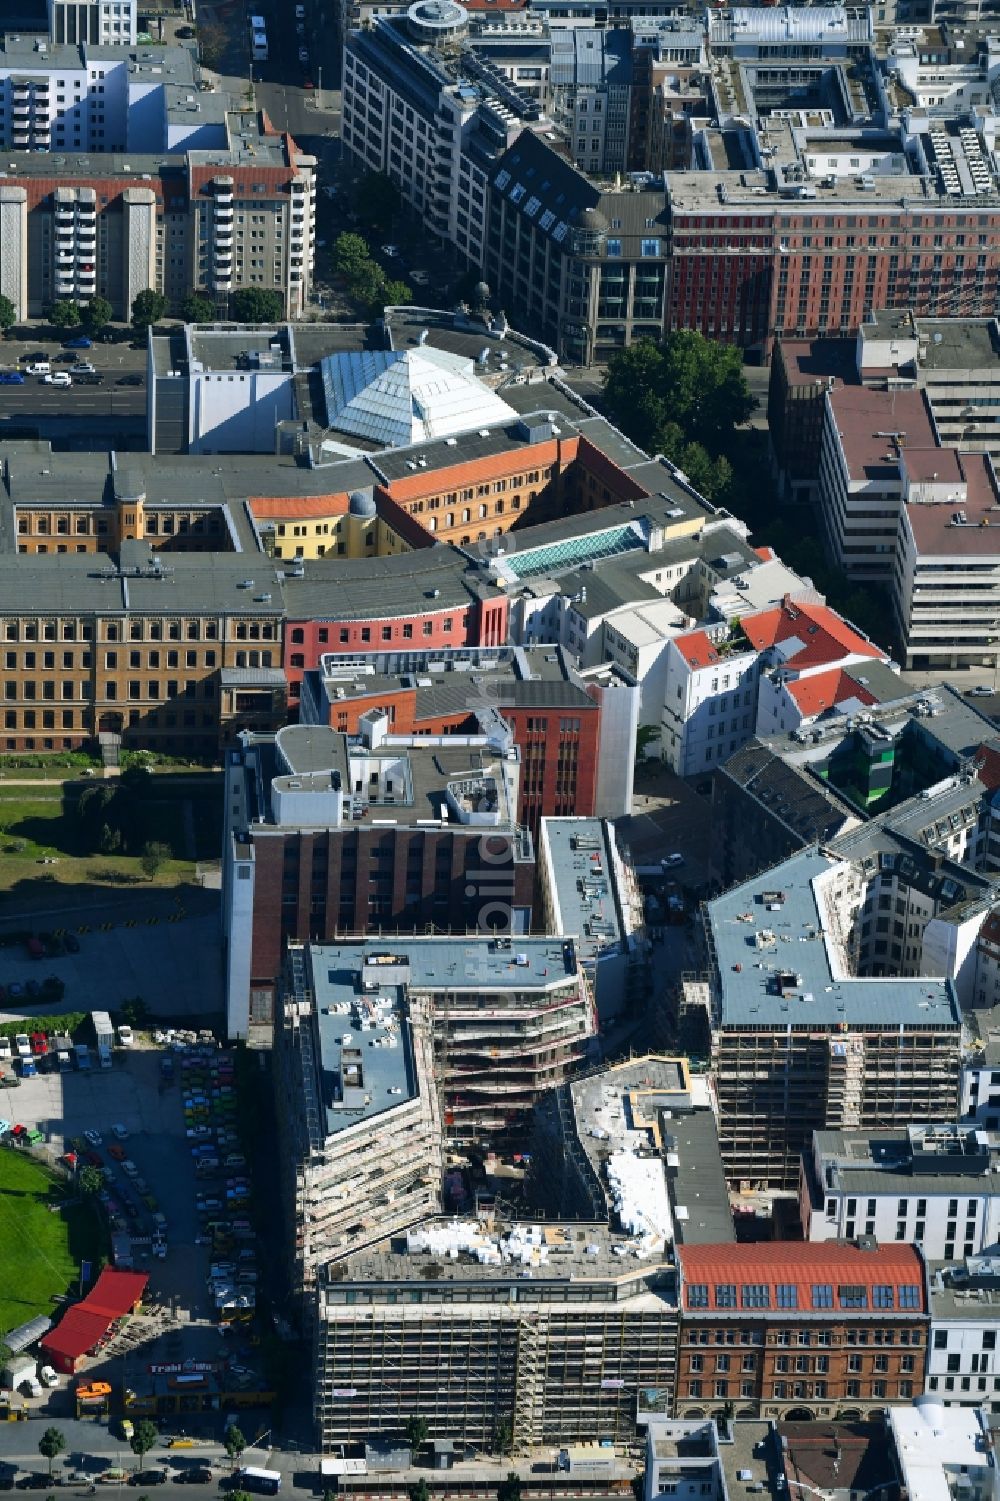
(84, 1326)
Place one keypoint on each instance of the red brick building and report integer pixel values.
(748, 268)
(405, 602)
(556, 722)
(800, 1331)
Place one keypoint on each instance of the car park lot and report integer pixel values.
(161, 1126)
(172, 965)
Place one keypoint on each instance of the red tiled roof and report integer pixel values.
(282, 507)
(821, 690)
(766, 554)
(801, 1266)
(988, 764)
(696, 649)
(826, 638)
(990, 930)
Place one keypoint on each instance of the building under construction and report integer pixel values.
(388, 1046)
(537, 1333)
(800, 1040)
(357, 1105)
(631, 1143)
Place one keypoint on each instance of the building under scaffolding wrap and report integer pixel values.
(557, 1330)
(357, 1106)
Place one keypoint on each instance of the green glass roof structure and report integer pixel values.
(560, 557)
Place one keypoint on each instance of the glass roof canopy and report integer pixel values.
(559, 557)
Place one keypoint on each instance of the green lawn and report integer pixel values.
(42, 842)
(40, 1252)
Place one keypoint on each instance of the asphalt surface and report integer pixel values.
(173, 965)
(113, 413)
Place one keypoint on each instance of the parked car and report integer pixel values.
(83, 367)
(57, 378)
(119, 1132)
(93, 1137)
(130, 380)
(11, 378)
(79, 342)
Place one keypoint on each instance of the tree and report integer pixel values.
(8, 313)
(51, 1443)
(688, 382)
(395, 294)
(212, 40)
(503, 1433)
(416, 1432)
(64, 314)
(153, 858)
(110, 840)
(234, 1444)
(196, 308)
(143, 1439)
(368, 285)
(421, 1491)
(377, 200)
(96, 314)
(349, 253)
(147, 308)
(510, 1489)
(134, 1012)
(90, 1181)
(256, 305)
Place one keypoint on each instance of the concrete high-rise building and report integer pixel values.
(102, 23)
(95, 225)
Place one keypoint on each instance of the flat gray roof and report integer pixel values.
(959, 344)
(456, 964)
(698, 1180)
(366, 1063)
(818, 993)
(583, 874)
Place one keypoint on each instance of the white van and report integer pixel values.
(41, 367)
